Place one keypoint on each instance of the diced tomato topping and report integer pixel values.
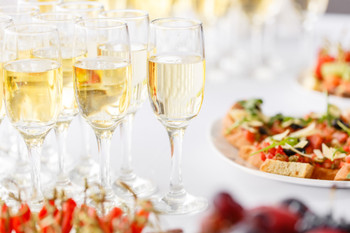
(347, 159)
(327, 164)
(331, 83)
(249, 136)
(321, 60)
(347, 56)
(340, 136)
(276, 128)
(315, 141)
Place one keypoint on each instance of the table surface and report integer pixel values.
(204, 171)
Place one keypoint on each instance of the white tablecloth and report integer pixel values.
(205, 172)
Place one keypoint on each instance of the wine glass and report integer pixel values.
(43, 5)
(32, 89)
(137, 21)
(86, 9)
(257, 13)
(19, 14)
(309, 11)
(155, 8)
(6, 162)
(103, 85)
(65, 23)
(176, 89)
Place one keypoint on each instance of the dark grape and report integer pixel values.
(274, 219)
(227, 208)
(326, 230)
(295, 206)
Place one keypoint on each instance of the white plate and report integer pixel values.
(230, 153)
(306, 81)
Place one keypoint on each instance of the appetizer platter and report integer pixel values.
(331, 72)
(310, 150)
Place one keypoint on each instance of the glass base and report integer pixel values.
(88, 169)
(21, 180)
(140, 186)
(70, 189)
(184, 204)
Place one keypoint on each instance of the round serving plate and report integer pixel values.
(305, 80)
(230, 154)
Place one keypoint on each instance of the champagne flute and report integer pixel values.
(5, 21)
(155, 8)
(309, 11)
(32, 89)
(137, 21)
(102, 85)
(43, 5)
(65, 23)
(19, 14)
(258, 12)
(108, 4)
(86, 9)
(6, 162)
(176, 89)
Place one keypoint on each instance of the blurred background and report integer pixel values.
(257, 39)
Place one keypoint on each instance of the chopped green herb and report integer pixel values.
(235, 125)
(289, 140)
(343, 127)
(252, 105)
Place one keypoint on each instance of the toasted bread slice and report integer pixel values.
(321, 173)
(343, 173)
(294, 169)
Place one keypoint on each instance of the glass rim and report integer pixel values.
(19, 9)
(97, 5)
(142, 14)
(39, 3)
(157, 23)
(13, 29)
(71, 17)
(120, 23)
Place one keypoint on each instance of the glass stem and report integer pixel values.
(256, 44)
(34, 151)
(85, 153)
(176, 187)
(61, 130)
(104, 145)
(126, 137)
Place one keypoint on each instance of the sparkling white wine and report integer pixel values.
(315, 7)
(176, 86)
(32, 93)
(257, 10)
(139, 72)
(47, 5)
(2, 108)
(69, 105)
(102, 90)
